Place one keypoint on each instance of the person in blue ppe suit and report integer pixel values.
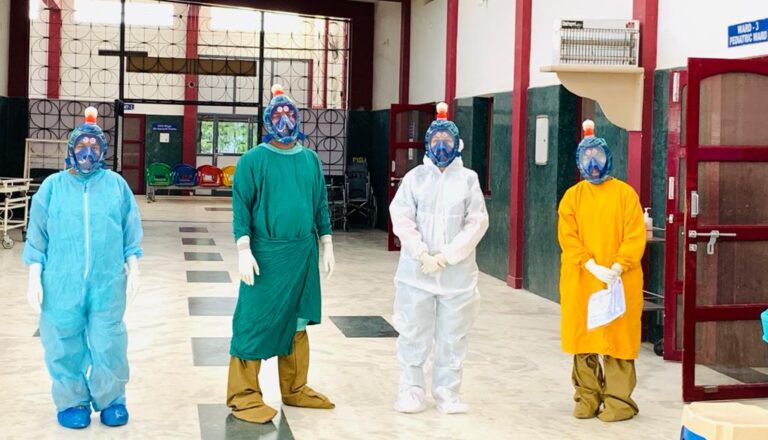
(439, 216)
(83, 241)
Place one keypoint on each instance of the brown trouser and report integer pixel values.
(610, 385)
(244, 393)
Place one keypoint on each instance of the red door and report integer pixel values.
(407, 126)
(726, 230)
(133, 152)
(675, 218)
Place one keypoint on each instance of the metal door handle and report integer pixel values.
(694, 203)
(714, 233)
(671, 190)
(713, 236)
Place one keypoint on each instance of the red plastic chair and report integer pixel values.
(209, 176)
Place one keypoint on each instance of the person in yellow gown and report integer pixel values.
(602, 236)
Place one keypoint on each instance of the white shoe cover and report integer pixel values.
(449, 403)
(411, 401)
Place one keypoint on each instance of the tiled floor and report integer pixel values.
(210, 351)
(516, 378)
(202, 306)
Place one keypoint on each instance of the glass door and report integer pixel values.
(407, 127)
(726, 230)
(220, 138)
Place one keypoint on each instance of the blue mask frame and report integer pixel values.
(604, 169)
(87, 160)
(440, 154)
(284, 131)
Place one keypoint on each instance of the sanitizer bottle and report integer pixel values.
(648, 224)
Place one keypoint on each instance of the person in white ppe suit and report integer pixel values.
(439, 216)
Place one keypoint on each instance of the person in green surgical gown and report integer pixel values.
(280, 213)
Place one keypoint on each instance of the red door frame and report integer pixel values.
(142, 150)
(673, 287)
(54, 47)
(394, 145)
(699, 69)
(405, 51)
(675, 153)
(451, 43)
(518, 142)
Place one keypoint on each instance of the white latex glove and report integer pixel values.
(134, 280)
(602, 273)
(442, 261)
(247, 264)
(35, 287)
(618, 269)
(430, 265)
(328, 259)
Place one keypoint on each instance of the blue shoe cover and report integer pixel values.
(77, 417)
(115, 415)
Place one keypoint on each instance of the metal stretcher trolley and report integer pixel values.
(14, 195)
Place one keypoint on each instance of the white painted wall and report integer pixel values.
(545, 12)
(428, 29)
(696, 28)
(5, 20)
(486, 45)
(386, 55)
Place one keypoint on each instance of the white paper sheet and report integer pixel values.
(606, 305)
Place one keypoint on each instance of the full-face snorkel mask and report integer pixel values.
(87, 146)
(282, 118)
(593, 157)
(442, 139)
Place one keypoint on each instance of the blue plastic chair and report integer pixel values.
(184, 175)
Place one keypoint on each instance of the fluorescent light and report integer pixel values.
(228, 19)
(34, 10)
(248, 20)
(282, 23)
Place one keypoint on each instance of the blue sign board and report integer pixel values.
(750, 32)
(128, 106)
(164, 127)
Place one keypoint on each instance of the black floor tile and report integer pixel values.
(202, 256)
(198, 241)
(208, 276)
(192, 229)
(364, 326)
(217, 422)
